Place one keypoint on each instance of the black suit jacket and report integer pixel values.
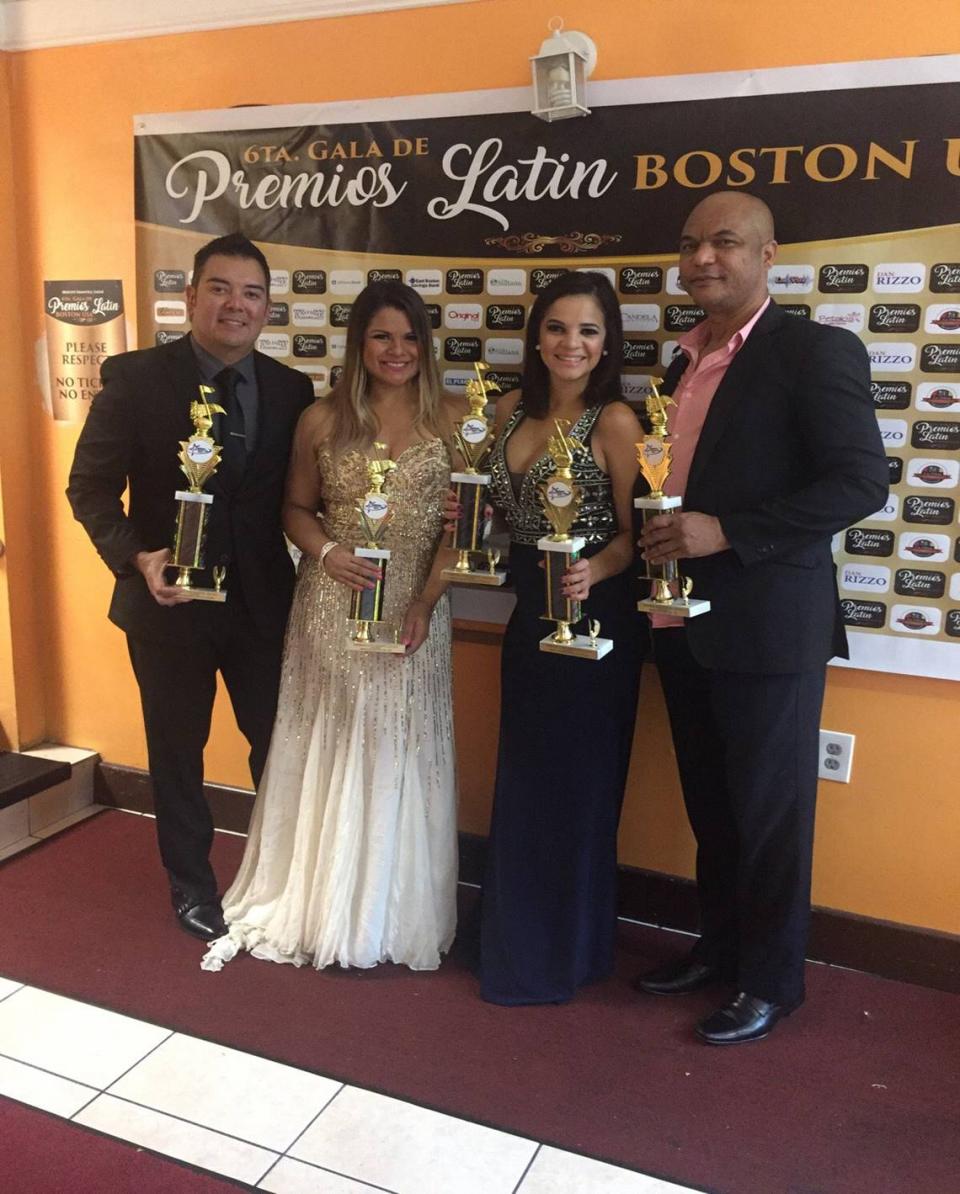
(132, 435)
(790, 453)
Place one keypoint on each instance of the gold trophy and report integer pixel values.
(560, 497)
(366, 606)
(199, 457)
(671, 591)
(473, 437)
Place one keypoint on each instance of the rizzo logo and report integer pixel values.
(898, 277)
(843, 279)
(893, 432)
(939, 318)
(169, 281)
(945, 277)
(871, 614)
(865, 577)
(890, 395)
(340, 314)
(462, 348)
(940, 358)
(463, 315)
(940, 437)
(464, 281)
(309, 346)
(384, 275)
(895, 468)
(894, 317)
(936, 396)
(507, 317)
(924, 547)
(934, 511)
(639, 352)
(790, 279)
(861, 542)
(681, 317)
(944, 473)
(914, 582)
(309, 281)
(641, 279)
(915, 621)
(888, 512)
(895, 357)
(278, 314)
(540, 279)
(952, 627)
(635, 386)
(841, 315)
(800, 309)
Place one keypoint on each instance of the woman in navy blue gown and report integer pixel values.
(549, 896)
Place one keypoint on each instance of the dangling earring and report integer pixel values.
(537, 347)
(605, 351)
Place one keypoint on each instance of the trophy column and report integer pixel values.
(366, 606)
(199, 457)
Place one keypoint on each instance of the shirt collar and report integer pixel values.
(210, 366)
(692, 342)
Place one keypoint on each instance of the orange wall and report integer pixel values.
(889, 844)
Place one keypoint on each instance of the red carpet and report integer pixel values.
(857, 1093)
(41, 1154)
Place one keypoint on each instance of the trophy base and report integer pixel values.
(659, 504)
(580, 646)
(475, 576)
(204, 594)
(679, 607)
(376, 646)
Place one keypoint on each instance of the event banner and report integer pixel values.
(85, 325)
(478, 205)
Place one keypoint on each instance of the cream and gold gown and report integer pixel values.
(352, 851)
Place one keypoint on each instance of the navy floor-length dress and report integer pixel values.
(548, 912)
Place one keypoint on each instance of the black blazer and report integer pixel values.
(132, 435)
(790, 453)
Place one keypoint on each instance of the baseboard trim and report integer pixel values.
(902, 952)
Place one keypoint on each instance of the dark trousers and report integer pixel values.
(178, 684)
(747, 748)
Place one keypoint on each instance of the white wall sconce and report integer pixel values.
(560, 70)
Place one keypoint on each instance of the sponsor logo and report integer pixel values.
(945, 277)
(317, 375)
(933, 472)
(466, 316)
(843, 279)
(384, 275)
(790, 279)
(504, 381)
(952, 625)
(895, 357)
(635, 387)
(639, 352)
(274, 344)
(681, 317)
(170, 311)
(890, 395)
(540, 279)
(923, 547)
(345, 281)
(865, 578)
(898, 277)
(305, 345)
(464, 281)
(799, 309)
(841, 315)
(462, 348)
(507, 317)
(911, 620)
(278, 314)
(337, 347)
(340, 314)
(940, 358)
(608, 273)
(673, 281)
(895, 468)
(940, 437)
(436, 347)
(870, 614)
(955, 587)
(859, 541)
(893, 432)
(888, 512)
(894, 317)
(934, 511)
(335, 374)
(169, 281)
(668, 350)
(456, 380)
(425, 281)
(167, 337)
(640, 317)
(506, 281)
(434, 314)
(941, 319)
(503, 351)
(934, 395)
(641, 279)
(309, 281)
(310, 315)
(279, 281)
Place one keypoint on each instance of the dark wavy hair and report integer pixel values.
(603, 385)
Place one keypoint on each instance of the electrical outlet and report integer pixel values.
(836, 756)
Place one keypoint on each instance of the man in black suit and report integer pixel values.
(776, 448)
(177, 644)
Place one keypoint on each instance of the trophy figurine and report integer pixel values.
(560, 497)
(671, 591)
(199, 457)
(366, 606)
(473, 437)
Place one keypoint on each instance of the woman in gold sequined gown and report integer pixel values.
(352, 852)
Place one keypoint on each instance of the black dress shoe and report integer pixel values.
(745, 1018)
(677, 978)
(203, 920)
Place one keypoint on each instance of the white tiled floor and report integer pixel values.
(272, 1126)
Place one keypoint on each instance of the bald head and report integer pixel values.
(747, 210)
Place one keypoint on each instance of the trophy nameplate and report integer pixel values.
(199, 457)
(366, 606)
(671, 590)
(473, 437)
(561, 497)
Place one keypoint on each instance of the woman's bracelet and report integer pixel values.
(325, 551)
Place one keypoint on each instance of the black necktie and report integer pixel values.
(233, 458)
